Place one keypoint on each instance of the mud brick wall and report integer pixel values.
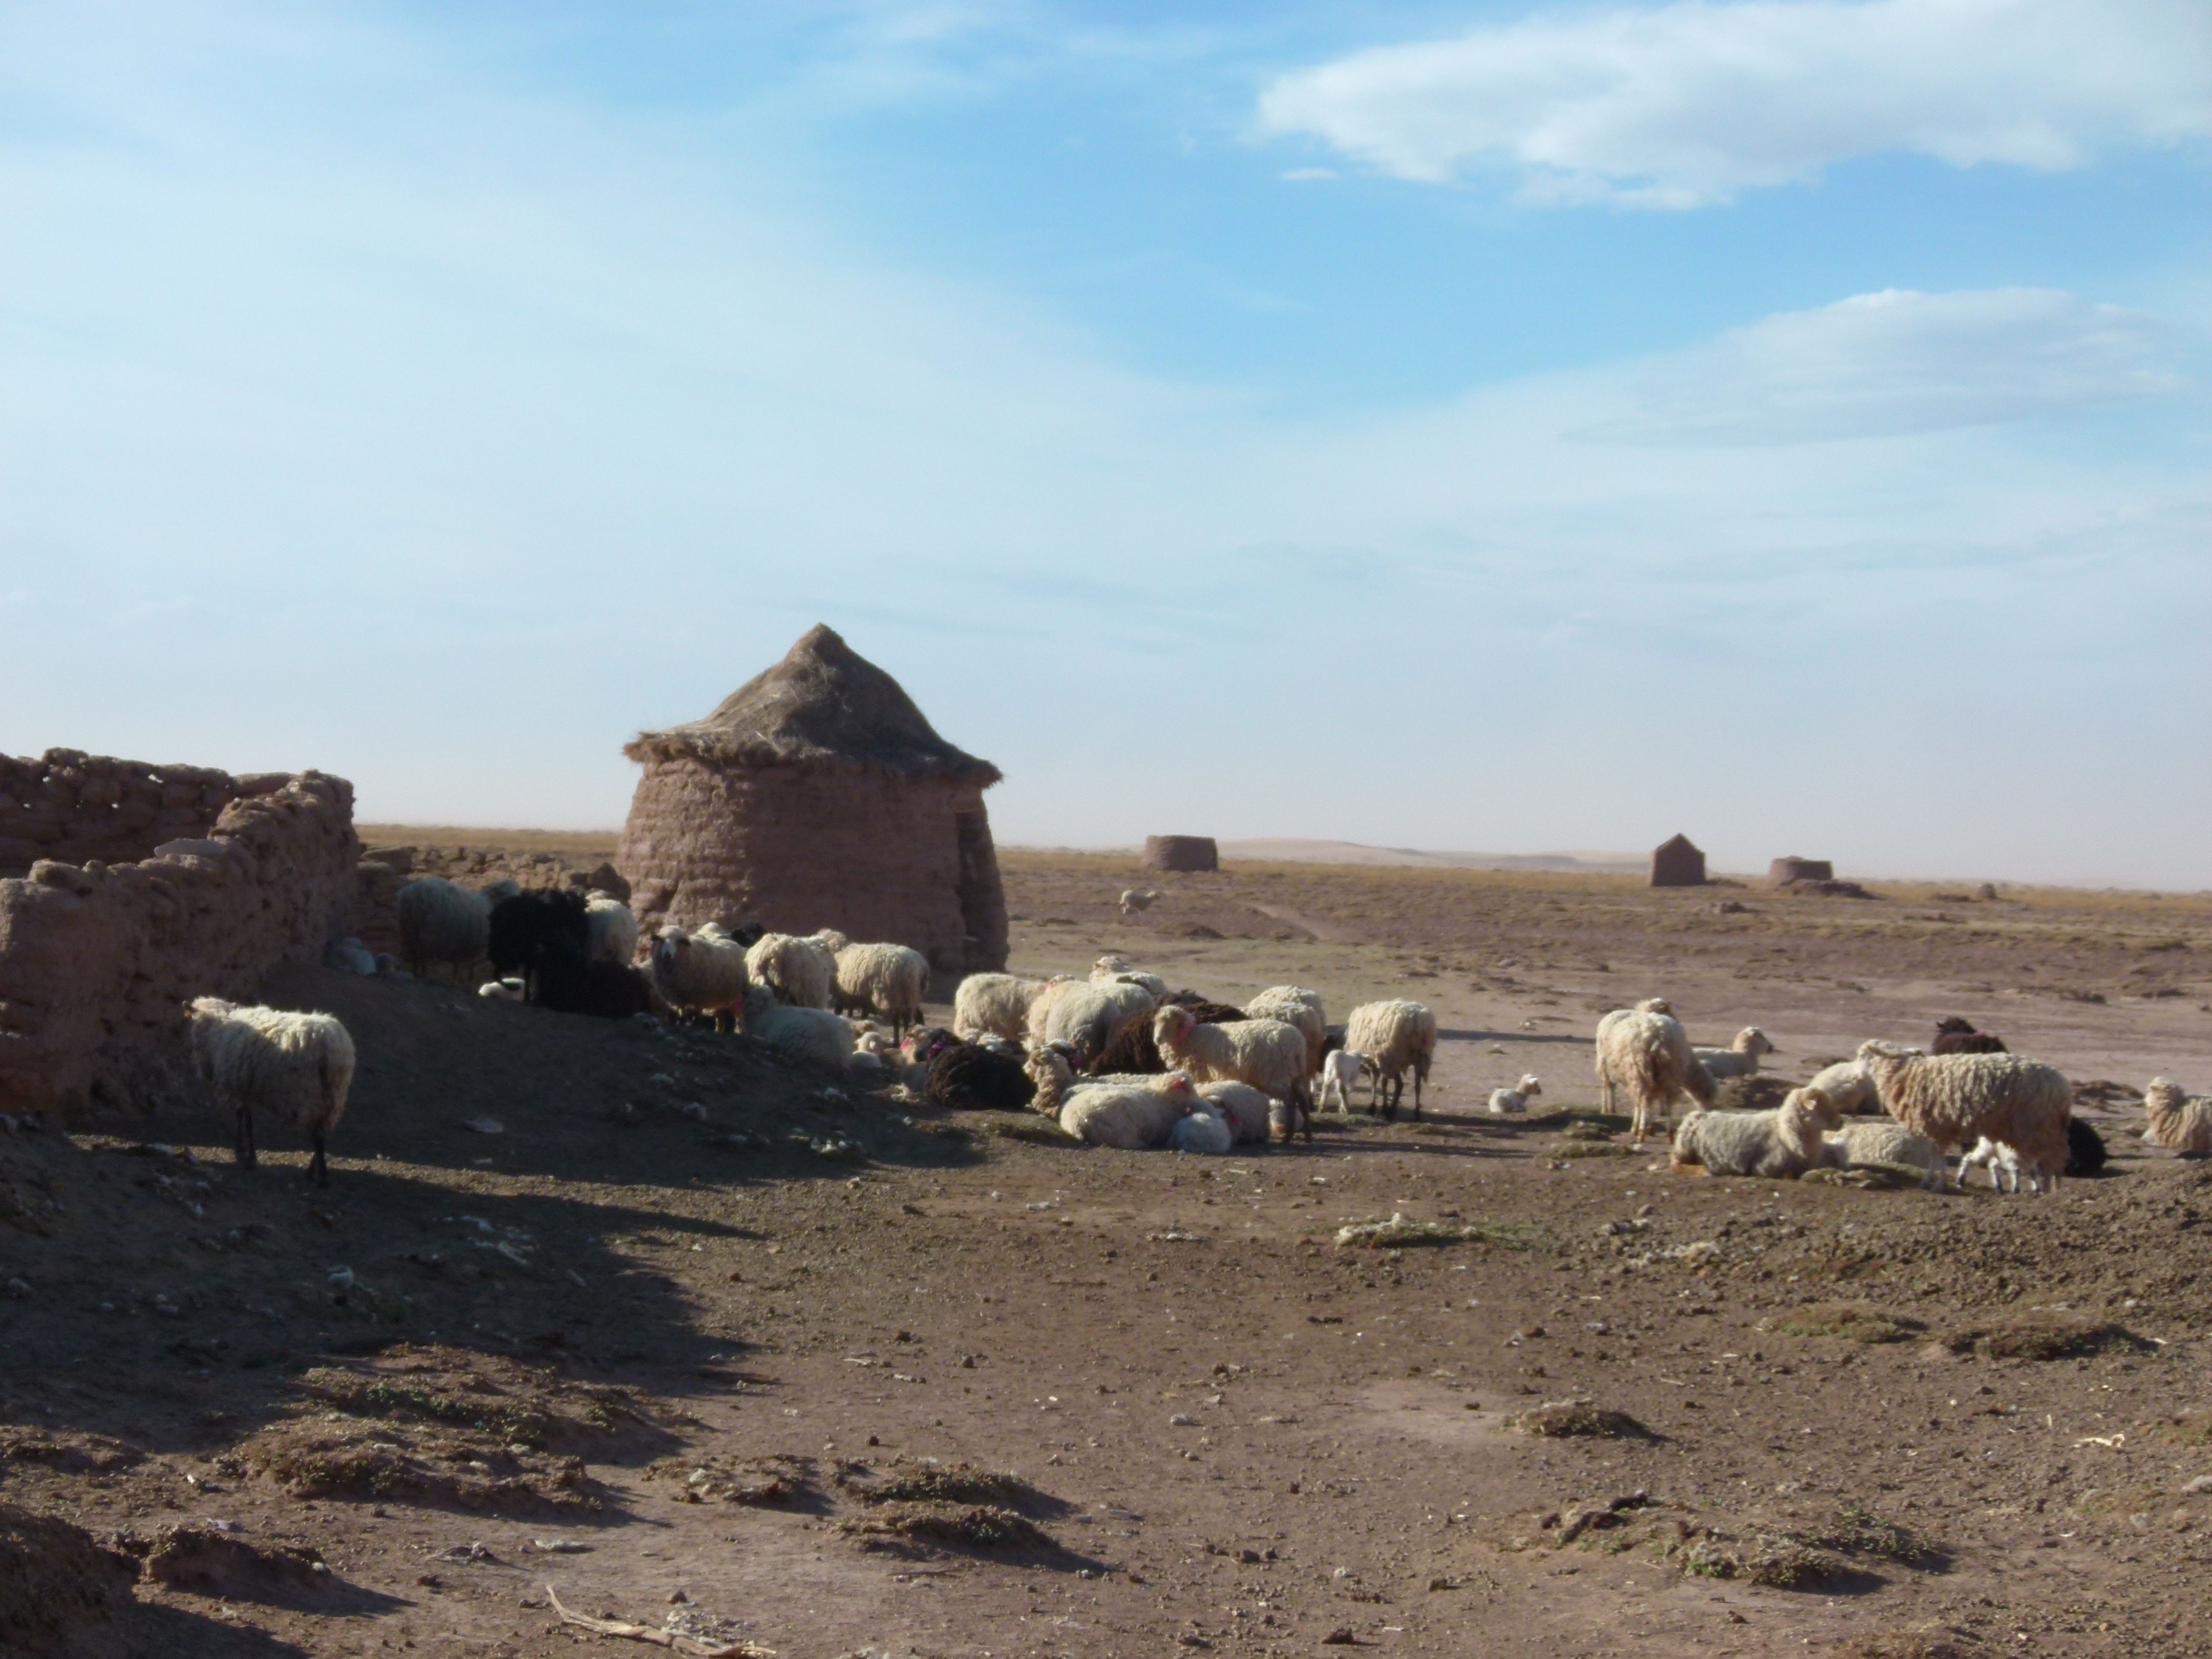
(127, 888)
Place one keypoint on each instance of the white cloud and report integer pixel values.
(1691, 103)
(1897, 362)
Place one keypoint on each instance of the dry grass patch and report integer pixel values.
(1563, 1419)
(1905, 1644)
(1399, 1232)
(932, 1482)
(1859, 1321)
(978, 1527)
(2046, 1334)
(1779, 1562)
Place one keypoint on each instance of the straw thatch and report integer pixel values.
(818, 795)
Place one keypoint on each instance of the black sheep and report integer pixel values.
(522, 927)
(1135, 1050)
(1957, 1035)
(570, 982)
(972, 1078)
(2085, 1148)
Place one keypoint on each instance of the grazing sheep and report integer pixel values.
(611, 929)
(1955, 1035)
(1091, 1017)
(1113, 966)
(805, 1036)
(699, 973)
(1848, 1087)
(886, 980)
(2179, 1120)
(1647, 1053)
(1396, 1036)
(296, 1066)
(1340, 1069)
(1739, 1059)
(1248, 1110)
(1879, 1140)
(571, 982)
(1127, 1113)
(996, 1005)
(438, 923)
(969, 1077)
(1267, 1053)
(1956, 1099)
(1294, 1005)
(524, 927)
(1133, 900)
(2085, 1148)
(1202, 1130)
(1781, 1144)
(801, 973)
(1517, 1098)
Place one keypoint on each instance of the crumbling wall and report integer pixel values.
(145, 886)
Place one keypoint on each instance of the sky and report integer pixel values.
(1505, 428)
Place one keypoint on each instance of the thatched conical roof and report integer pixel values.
(823, 705)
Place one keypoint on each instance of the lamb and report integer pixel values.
(887, 979)
(1267, 1053)
(502, 990)
(1647, 1053)
(996, 1005)
(970, 1076)
(1739, 1059)
(1248, 1110)
(1294, 1005)
(1112, 967)
(1517, 1098)
(1202, 1130)
(1999, 1159)
(2179, 1120)
(2085, 1148)
(440, 923)
(701, 973)
(800, 972)
(1848, 1087)
(805, 1036)
(1127, 1113)
(1955, 1035)
(1881, 1140)
(611, 929)
(1340, 1069)
(295, 1066)
(1782, 1143)
(1092, 1017)
(1956, 1099)
(1133, 900)
(1396, 1036)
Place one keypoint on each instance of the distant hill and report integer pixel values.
(1292, 851)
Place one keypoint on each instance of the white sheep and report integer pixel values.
(995, 1005)
(2002, 1162)
(1517, 1098)
(1646, 1052)
(1340, 1069)
(1739, 1059)
(1201, 1129)
(1781, 1144)
(801, 972)
(2179, 1120)
(1397, 1036)
(609, 929)
(510, 989)
(1130, 1113)
(806, 1035)
(1882, 1140)
(1849, 1085)
(1956, 1099)
(296, 1066)
(1294, 1005)
(1091, 1017)
(440, 923)
(1248, 1110)
(1267, 1053)
(1135, 899)
(889, 980)
(1113, 966)
(701, 972)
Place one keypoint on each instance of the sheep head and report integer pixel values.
(2164, 1095)
(1172, 1026)
(1655, 1006)
(1530, 1085)
(1753, 1041)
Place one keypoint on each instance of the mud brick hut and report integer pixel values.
(1678, 863)
(817, 795)
(1784, 871)
(1182, 852)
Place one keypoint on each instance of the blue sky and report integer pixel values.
(1513, 428)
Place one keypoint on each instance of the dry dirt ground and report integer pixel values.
(637, 1318)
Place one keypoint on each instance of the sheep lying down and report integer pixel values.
(1781, 1144)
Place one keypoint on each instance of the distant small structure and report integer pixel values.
(1783, 871)
(1182, 852)
(1678, 863)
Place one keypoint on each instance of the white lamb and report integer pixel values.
(2179, 1120)
(610, 928)
(807, 1035)
(1739, 1059)
(2002, 1162)
(801, 972)
(995, 1005)
(1955, 1100)
(888, 979)
(1781, 1144)
(1517, 1098)
(296, 1066)
(701, 973)
(1133, 900)
(1294, 1005)
(1250, 1111)
(1396, 1036)
(1646, 1052)
(1340, 1069)
(1266, 1054)
(441, 923)
(1201, 1129)
(1881, 1140)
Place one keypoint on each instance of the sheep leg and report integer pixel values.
(245, 1160)
(320, 1169)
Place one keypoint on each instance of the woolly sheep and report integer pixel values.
(970, 1076)
(1133, 900)
(995, 1005)
(1091, 1018)
(296, 1066)
(1127, 1113)
(699, 973)
(807, 1035)
(830, 939)
(611, 929)
(1112, 967)
(1201, 1129)
(800, 972)
(438, 923)
(1517, 1098)
(1340, 1069)
(1739, 1059)
(2178, 1120)
(1294, 1005)
(1647, 1053)
(1955, 1035)
(1848, 1085)
(886, 980)
(1266, 1054)
(1956, 1099)
(1881, 1140)
(524, 927)
(1247, 1110)
(1781, 1144)
(571, 982)
(1396, 1036)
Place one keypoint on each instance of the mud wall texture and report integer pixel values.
(1182, 852)
(127, 888)
(872, 852)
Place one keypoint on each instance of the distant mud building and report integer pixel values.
(1182, 852)
(1678, 863)
(817, 795)
(1783, 871)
